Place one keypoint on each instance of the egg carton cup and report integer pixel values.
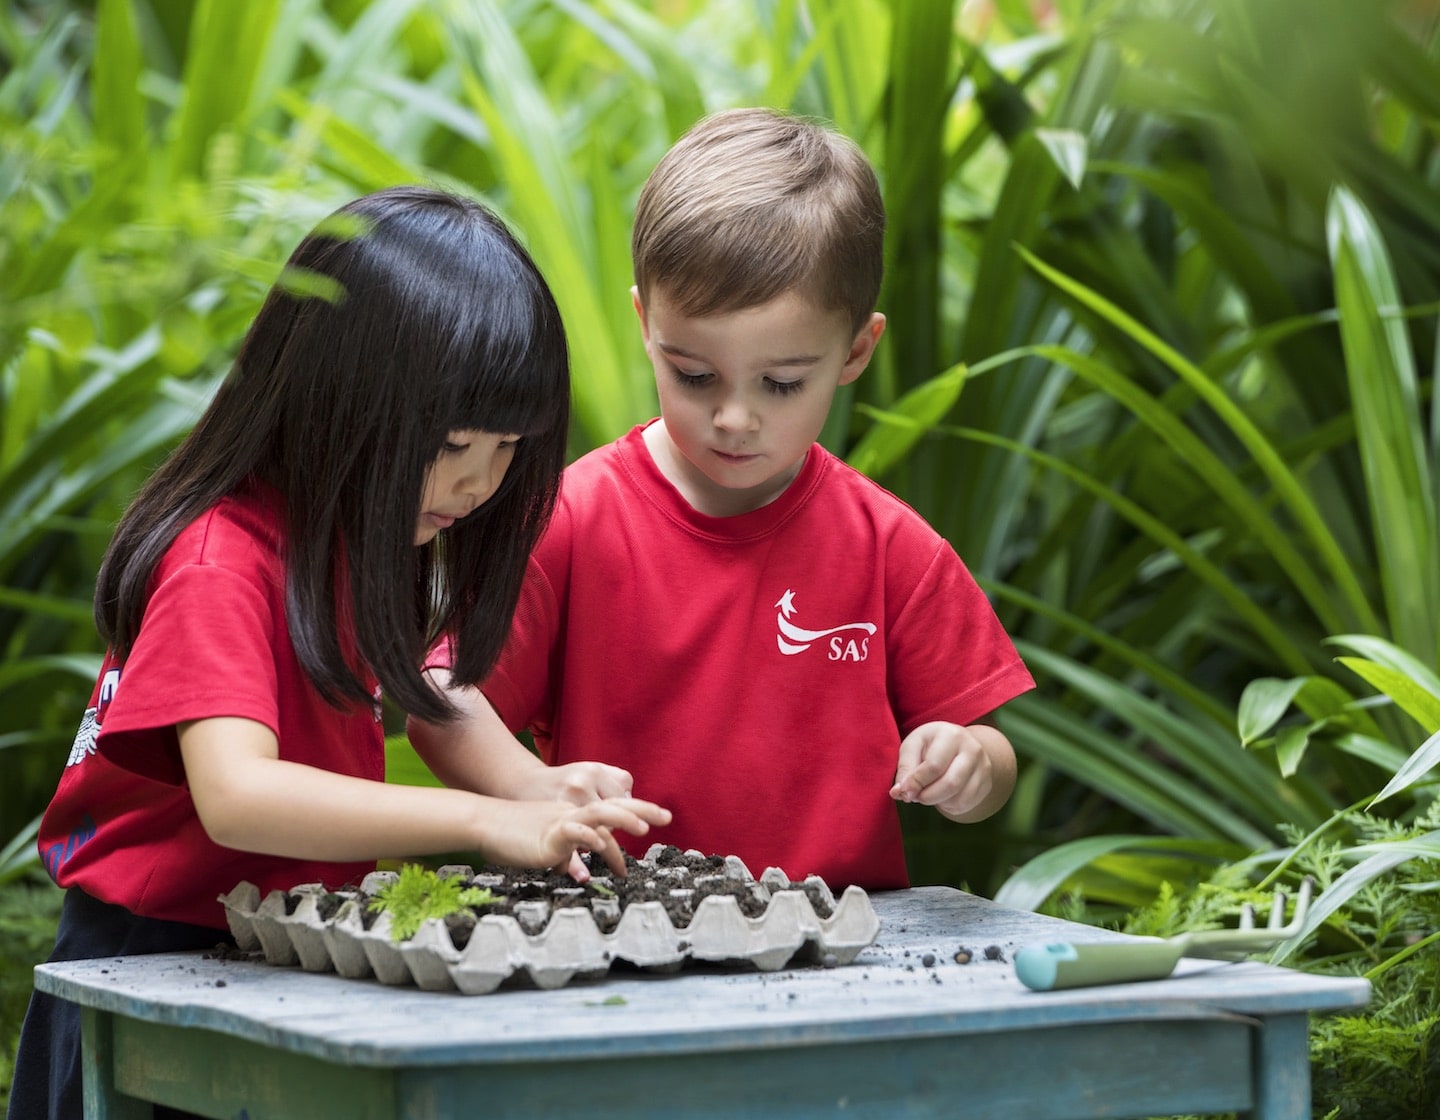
(547, 945)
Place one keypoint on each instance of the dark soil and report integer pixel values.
(676, 880)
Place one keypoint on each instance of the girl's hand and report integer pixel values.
(967, 773)
(577, 783)
(552, 833)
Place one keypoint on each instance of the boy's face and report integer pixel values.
(744, 394)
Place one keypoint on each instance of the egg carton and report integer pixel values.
(550, 941)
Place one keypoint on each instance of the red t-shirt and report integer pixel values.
(754, 673)
(213, 642)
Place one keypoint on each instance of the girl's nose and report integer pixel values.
(481, 486)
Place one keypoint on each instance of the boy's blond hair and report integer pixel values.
(751, 204)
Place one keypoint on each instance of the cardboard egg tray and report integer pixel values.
(548, 944)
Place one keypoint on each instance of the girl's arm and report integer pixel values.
(249, 799)
(476, 752)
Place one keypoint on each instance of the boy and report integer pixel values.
(778, 648)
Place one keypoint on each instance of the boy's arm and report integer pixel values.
(968, 773)
(477, 752)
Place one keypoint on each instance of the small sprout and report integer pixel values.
(608, 1001)
(419, 894)
(601, 888)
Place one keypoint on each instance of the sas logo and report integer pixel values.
(84, 745)
(850, 642)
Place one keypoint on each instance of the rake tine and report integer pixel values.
(1277, 911)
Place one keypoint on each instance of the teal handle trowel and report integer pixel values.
(1080, 965)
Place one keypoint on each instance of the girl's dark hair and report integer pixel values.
(406, 315)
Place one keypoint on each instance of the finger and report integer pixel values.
(630, 814)
(911, 752)
(613, 854)
(617, 782)
(577, 869)
(931, 757)
(974, 790)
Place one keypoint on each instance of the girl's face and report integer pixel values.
(464, 476)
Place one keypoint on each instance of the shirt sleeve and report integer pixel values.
(519, 687)
(205, 649)
(950, 657)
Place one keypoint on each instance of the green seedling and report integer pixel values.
(419, 894)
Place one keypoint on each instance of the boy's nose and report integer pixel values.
(735, 415)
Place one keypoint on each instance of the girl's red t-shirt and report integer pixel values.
(213, 642)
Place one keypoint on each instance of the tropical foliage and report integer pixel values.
(1162, 288)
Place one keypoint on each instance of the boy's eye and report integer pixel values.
(691, 380)
(784, 388)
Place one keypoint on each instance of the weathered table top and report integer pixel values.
(905, 1018)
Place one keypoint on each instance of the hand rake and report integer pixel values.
(1065, 965)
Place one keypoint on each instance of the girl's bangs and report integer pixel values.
(525, 395)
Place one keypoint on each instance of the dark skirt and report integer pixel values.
(47, 1083)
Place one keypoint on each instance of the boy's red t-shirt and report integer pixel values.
(754, 673)
(213, 642)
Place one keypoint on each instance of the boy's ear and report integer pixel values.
(640, 311)
(862, 348)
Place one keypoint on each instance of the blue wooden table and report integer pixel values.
(904, 1031)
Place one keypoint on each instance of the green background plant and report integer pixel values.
(1162, 287)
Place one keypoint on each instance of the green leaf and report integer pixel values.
(1416, 767)
(1385, 859)
(901, 426)
(227, 46)
(1290, 746)
(1385, 400)
(1262, 704)
(1393, 657)
(1421, 705)
(1032, 883)
(116, 92)
(1288, 488)
(1068, 148)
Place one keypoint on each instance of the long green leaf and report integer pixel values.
(1286, 485)
(1386, 404)
(1417, 767)
(119, 108)
(1209, 573)
(227, 44)
(1255, 518)
(902, 425)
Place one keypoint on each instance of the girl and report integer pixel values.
(374, 471)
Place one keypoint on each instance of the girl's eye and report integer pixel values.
(784, 388)
(453, 448)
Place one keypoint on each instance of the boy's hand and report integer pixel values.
(577, 783)
(965, 772)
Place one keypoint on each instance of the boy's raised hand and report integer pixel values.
(967, 773)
